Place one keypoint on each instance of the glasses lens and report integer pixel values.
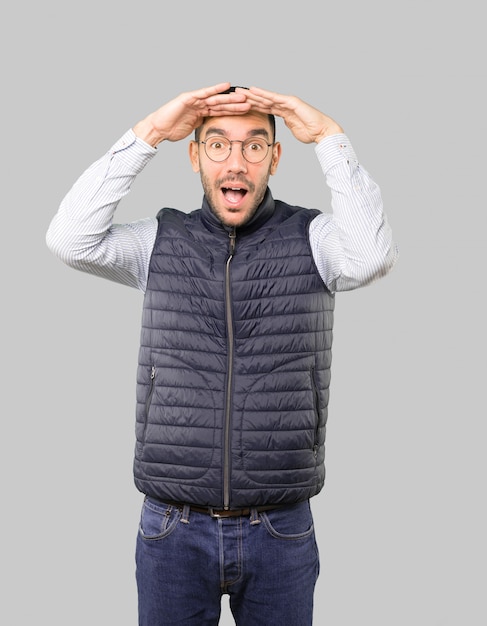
(255, 150)
(217, 148)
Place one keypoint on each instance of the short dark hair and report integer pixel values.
(271, 117)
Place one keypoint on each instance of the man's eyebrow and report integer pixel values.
(214, 130)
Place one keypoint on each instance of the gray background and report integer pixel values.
(401, 522)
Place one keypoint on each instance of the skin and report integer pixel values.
(235, 188)
(236, 115)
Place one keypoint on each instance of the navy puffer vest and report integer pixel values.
(234, 365)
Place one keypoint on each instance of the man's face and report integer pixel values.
(234, 187)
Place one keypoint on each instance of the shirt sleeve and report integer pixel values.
(353, 246)
(82, 233)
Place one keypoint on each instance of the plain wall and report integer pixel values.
(401, 521)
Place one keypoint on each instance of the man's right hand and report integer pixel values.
(178, 118)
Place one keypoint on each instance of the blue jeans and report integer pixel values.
(267, 562)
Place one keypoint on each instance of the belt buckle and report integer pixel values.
(217, 514)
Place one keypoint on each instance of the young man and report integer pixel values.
(235, 355)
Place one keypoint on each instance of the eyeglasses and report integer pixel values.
(254, 150)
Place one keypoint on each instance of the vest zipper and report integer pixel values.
(228, 398)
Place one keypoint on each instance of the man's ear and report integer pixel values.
(276, 155)
(194, 155)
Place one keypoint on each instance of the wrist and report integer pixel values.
(333, 129)
(146, 131)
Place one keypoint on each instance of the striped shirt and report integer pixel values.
(352, 246)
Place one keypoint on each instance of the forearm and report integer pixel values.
(82, 233)
(354, 246)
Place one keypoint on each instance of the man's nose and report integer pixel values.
(236, 161)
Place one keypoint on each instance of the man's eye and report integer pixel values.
(216, 145)
(254, 146)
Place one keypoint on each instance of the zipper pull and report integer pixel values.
(153, 372)
(233, 236)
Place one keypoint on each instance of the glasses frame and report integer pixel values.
(232, 141)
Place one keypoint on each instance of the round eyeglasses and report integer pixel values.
(254, 150)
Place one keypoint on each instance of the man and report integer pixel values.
(234, 362)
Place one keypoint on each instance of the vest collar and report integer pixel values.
(264, 212)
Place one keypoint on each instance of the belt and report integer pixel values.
(212, 512)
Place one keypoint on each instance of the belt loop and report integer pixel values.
(254, 516)
(185, 514)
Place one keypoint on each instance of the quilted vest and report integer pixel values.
(234, 361)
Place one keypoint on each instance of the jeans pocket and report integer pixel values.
(158, 520)
(290, 522)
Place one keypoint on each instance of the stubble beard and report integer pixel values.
(213, 189)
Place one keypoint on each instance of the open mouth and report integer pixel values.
(234, 195)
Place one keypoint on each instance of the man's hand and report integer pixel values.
(179, 117)
(305, 122)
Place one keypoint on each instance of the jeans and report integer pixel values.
(267, 562)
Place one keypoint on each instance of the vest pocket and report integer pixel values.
(148, 401)
(316, 404)
(177, 418)
(280, 426)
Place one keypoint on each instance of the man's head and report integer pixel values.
(235, 155)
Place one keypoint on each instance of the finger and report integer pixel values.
(225, 98)
(228, 108)
(258, 97)
(267, 101)
(199, 97)
(267, 97)
(206, 92)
